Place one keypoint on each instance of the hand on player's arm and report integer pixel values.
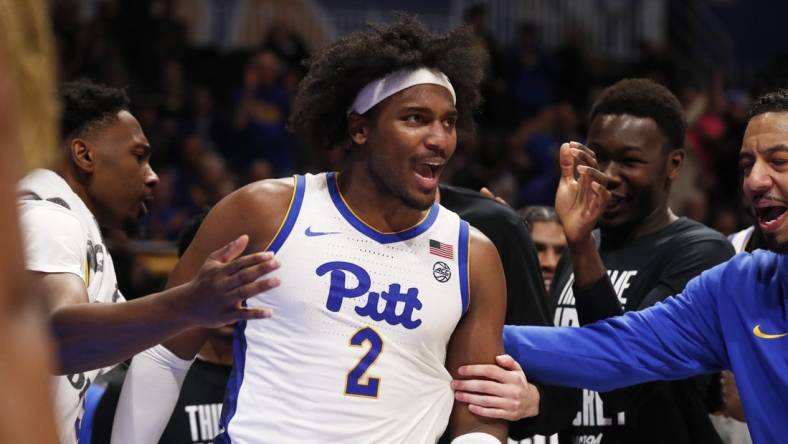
(478, 339)
(90, 336)
(580, 201)
(498, 390)
(256, 209)
(155, 376)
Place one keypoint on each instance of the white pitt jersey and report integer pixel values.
(356, 349)
(60, 235)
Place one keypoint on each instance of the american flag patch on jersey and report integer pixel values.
(441, 249)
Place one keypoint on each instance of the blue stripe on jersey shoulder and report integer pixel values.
(239, 339)
(359, 225)
(292, 215)
(462, 253)
(234, 383)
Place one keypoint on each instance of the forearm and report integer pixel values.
(663, 342)
(149, 395)
(597, 301)
(587, 266)
(90, 336)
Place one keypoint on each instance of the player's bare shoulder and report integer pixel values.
(481, 247)
(256, 209)
(259, 208)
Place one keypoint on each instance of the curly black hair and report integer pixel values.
(772, 102)
(644, 98)
(86, 105)
(342, 69)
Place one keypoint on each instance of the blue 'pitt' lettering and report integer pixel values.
(394, 297)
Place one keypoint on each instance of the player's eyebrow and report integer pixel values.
(774, 149)
(748, 153)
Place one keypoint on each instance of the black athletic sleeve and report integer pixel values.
(596, 302)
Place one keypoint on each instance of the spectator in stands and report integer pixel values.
(549, 239)
(262, 106)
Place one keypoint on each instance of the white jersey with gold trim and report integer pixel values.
(356, 349)
(60, 235)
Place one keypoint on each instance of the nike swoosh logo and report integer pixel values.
(311, 233)
(757, 331)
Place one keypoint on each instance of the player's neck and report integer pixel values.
(79, 188)
(660, 218)
(374, 205)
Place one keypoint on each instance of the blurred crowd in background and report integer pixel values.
(216, 117)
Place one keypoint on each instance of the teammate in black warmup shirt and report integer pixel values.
(641, 254)
(647, 254)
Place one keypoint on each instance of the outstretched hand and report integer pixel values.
(503, 392)
(226, 279)
(581, 197)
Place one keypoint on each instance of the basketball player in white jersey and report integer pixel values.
(384, 292)
(102, 178)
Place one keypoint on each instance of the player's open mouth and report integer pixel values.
(770, 217)
(427, 173)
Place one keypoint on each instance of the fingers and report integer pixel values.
(259, 286)
(508, 362)
(594, 174)
(580, 147)
(248, 269)
(491, 413)
(487, 193)
(246, 261)
(230, 251)
(600, 199)
(489, 371)
(583, 157)
(479, 386)
(248, 314)
(567, 162)
(481, 400)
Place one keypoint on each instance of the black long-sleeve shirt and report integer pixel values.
(641, 273)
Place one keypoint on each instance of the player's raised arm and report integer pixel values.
(477, 338)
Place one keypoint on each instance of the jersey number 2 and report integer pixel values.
(353, 385)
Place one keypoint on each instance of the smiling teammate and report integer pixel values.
(734, 316)
(643, 253)
(384, 292)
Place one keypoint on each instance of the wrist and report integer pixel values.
(534, 399)
(174, 306)
(581, 244)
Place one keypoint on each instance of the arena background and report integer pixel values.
(211, 82)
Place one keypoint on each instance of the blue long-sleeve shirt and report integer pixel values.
(733, 316)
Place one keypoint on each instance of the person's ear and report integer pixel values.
(82, 155)
(675, 161)
(358, 127)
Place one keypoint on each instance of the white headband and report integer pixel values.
(380, 89)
